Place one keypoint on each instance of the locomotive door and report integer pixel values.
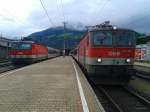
(115, 56)
(78, 54)
(84, 57)
(114, 50)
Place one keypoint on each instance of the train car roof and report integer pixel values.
(105, 27)
(51, 48)
(30, 42)
(109, 29)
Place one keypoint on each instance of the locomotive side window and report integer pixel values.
(25, 46)
(21, 46)
(102, 38)
(124, 38)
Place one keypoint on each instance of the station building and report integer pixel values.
(5, 46)
(143, 52)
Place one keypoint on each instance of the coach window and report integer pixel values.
(102, 38)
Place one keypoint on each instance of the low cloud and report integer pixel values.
(126, 13)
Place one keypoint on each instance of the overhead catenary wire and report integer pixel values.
(49, 19)
(12, 17)
(138, 19)
(60, 8)
(102, 8)
(61, 3)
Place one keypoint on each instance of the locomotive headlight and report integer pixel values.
(114, 27)
(128, 60)
(99, 60)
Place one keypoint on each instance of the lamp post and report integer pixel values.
(64, 49)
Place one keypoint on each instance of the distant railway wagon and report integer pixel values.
(29, 52)
(107, 52)
(5, 46)
(142, 52)
(4, 51)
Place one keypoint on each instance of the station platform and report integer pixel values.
(55, 85)
(145, 67)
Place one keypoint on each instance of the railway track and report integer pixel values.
(142, 74)
(6, 63)
(121, 99)
(7, 66)
(4, 60)
(107, 103)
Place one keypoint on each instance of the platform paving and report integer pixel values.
(49, 86)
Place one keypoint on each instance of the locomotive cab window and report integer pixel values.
(102, 38)
(116, 38)
(124, 38)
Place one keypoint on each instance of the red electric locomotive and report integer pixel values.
(29, 52)
(107, 54)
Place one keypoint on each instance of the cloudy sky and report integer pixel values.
(22, 17)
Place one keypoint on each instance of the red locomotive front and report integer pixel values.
(27, 52)
(107, 52)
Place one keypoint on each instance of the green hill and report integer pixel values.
(54, 37)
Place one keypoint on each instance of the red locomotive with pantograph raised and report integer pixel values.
(107, 53)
